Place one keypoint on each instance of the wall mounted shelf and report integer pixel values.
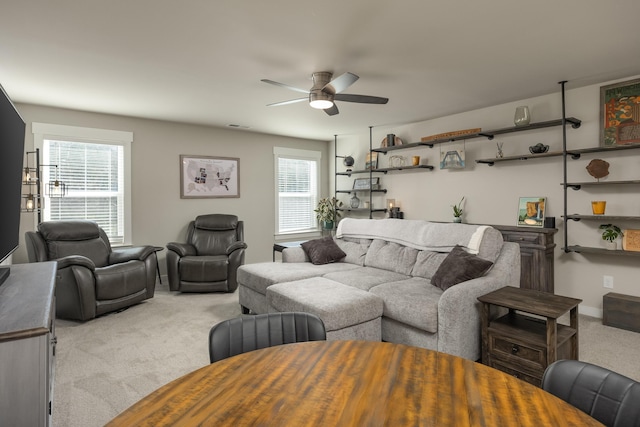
(599, 251)
(577, 217)
(489, 134)
(579, 185)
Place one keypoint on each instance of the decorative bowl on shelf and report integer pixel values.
(539, 148)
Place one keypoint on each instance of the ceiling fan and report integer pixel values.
(325, 91)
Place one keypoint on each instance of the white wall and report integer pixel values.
(158, 214)
(491, 193)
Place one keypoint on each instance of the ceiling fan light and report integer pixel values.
(321, 104)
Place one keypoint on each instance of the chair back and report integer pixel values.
(73, 237)
(212, 234)
(609, 397)
(248, 333)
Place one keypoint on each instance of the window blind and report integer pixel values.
(297, 194)
(94, 176)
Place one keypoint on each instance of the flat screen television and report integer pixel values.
(12, 129)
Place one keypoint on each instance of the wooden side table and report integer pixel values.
(528, 338)
(279, 247)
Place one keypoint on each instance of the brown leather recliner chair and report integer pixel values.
(209, 260)
(92, 278)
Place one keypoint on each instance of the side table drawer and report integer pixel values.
(507, 348)
(511, 370)
(523, 237)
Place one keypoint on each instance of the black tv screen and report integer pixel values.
(12, 129)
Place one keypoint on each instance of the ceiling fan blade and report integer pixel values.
(271, 82)
(340, 83)
(291, 101)
(363, 99)
(332, 111)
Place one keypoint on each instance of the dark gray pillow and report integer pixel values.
(459, 266)
(323, 251)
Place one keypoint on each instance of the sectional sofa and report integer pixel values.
(404, 281)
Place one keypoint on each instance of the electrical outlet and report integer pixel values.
(607, 282)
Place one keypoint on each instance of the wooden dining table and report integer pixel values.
(350, 383)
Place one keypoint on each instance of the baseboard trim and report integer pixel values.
(590, 311)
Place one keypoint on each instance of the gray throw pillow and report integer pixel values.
(323, 251)
(459, 266)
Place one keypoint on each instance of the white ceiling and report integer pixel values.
(201, 61)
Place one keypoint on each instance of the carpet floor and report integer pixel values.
(105, 365)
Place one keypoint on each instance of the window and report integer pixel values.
(94, 165)
(297, 181)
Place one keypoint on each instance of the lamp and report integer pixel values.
(29, 204)
(320, 100)
(26, 175)
(55, 188)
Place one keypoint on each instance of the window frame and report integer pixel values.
(42, 131)
(298, 154)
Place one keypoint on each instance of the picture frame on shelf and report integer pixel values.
(366, 183)
(531, 211)
(371, 161)
(209, 177)
(620, 113)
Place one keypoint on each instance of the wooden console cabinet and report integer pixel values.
(528, 338)
(27, 344)
(536, 255)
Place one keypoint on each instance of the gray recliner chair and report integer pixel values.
(92, 278)
(209, 260)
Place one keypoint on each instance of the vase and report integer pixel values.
(522, 117)
(354, 201)
(327, 225)
(612, 246)
(457, 219)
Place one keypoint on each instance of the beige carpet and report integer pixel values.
(105, 365)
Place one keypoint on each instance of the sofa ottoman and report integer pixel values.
(348, 313)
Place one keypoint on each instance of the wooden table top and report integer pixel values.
(350, 383)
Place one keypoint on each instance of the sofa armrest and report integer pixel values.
(459, 322)
(234, 247)
(182, 249)
(296, 254)
(133, 253)
(75, 260)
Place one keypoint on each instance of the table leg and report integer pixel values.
(573, 319)
(158, 267)
(552, 340)
(485, 333)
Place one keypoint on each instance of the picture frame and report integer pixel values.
(366, 183)
(209, 177)
(620, 113)
(531, 211)
(371, 161)
(452, 159)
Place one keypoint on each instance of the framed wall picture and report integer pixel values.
(206, 176)
(620, 113)
(531, 211)
(366, 183)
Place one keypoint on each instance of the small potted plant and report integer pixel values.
(457, 211)
(327, 212)
(610, 234)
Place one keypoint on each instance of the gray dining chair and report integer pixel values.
(243, 334)
(607, 396)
